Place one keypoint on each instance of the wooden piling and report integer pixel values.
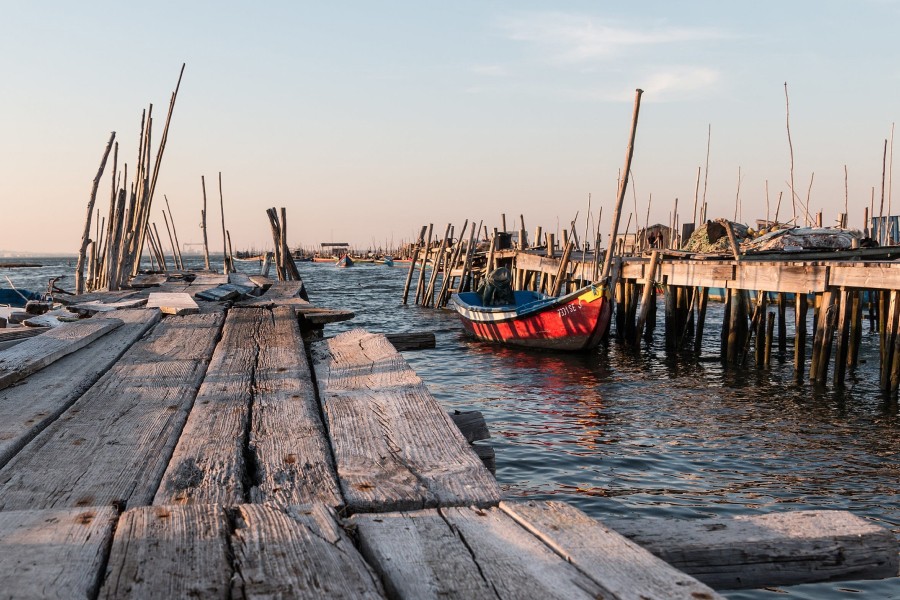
(412, 264)
(823, 338)
(647, 297)
(703, 299)
(843, 336)
(426, 250)
(782, 324)
(801, 308)
(86, 236)
(770, 330)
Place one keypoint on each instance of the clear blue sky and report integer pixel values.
(368, 119)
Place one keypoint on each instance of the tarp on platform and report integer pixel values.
(797, 239)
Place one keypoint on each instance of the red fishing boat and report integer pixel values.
(576, 321)
(345, 261)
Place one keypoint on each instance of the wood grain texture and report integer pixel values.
(173, 303)
(92, 308)
(300, 552)
(113, 444)
(170, 552)
(34, 354)
(54, 553)
(208, 465)
(754, 551)
(622, 568)
(279, 292)
(465, 553)
(394, 446)
(27, 408)
(288, 440)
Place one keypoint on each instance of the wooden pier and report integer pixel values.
(845, 288)
(226, 449)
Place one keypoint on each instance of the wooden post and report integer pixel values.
(620, 309)
(737, 326)
(562, 272)
(734, 245)
(626, 171)
(412, 263)
(174, 233)
(782, 324)
(290, 267)
(203, 226)
(671, 302)
(523, 241)
(493, 249)
(647, 297)
(227, 266)
(428, 297)
(703, 299)
(171, 240)
(843, 336)
(420, 284)
(86, 236)
(447, 282)
(726, 326)
(801, 306)
(770, 330)
(823, 338)
(855, 328)
(162, 256)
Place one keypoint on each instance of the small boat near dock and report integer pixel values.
(576, 321)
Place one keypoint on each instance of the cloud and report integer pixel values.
(569, 38)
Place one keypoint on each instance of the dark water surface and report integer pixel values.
(648, 434)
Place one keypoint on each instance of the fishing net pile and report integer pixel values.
(712, 237)
(803, 238)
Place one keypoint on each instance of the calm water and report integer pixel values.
(620, 434)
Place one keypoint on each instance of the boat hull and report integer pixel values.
(571, 323)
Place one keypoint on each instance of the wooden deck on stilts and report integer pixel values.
(153, 453)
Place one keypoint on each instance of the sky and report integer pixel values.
(368, 120)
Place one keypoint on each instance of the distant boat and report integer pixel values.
(387, 261)
(576, 321)
(344, 261)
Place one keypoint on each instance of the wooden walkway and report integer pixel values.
(216, 454)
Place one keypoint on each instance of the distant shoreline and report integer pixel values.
(18, 265)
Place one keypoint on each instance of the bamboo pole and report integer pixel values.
(203, 214)
(174, 234)
(162, 255)
(171, 240)
(227, 266)
(85, 238)
(617, 215)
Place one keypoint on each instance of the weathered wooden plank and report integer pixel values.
(170, 552)
(867, 276)
(416, 340)
(113, 444)
(92, 308)
(145, 281)
(224, 292)
(173, 303)
(622, 568)
(790, 278)
(471, 424)
(279, 292)
(54, 553)
(292, 456)
(395, 447)
(27, 408)
(466, 553)
(692, 274)
(21, 333)
(753, 551)
(34, 354)
(208, 465)
(298, 553)
(241, 279)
